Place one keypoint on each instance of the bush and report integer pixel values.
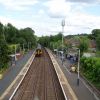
(4, 52)
(91, 68)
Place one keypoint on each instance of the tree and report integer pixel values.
(95, 33)
(83, 45)
(11, 33)
(1, 28)
(4, 53)
(44, 41)
(3, 49)
(51, 41)
(27, 36)
(98, 41)
(91, 68)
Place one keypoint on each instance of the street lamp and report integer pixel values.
(78, 67)
(15, 54)
(62, 24)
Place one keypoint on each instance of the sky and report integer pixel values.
(45, 16)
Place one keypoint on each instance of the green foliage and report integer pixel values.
(44, 41)
(91, 68)
(3, 49)
(83, 44)
(96, 36)
(11, 35)
(95, 33)
(4, 52)
(27, 36)
(51, 41)
(98, 54)
(1, 28)
(98, 41)
(12, 48)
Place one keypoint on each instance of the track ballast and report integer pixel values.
(40, 82)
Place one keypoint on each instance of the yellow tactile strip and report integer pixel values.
(66, 88)
(19, 77)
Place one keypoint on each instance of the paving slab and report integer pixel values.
(13, 72)
(83, 91)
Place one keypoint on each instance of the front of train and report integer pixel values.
(38, 51)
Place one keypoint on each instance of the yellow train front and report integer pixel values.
(38, 52)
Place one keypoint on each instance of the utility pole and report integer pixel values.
(78, 67)
(62, 24)
(15, 53)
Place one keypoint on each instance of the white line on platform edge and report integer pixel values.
(21, 80)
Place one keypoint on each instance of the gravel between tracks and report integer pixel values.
(41, 82)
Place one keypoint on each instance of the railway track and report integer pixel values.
(40, 82)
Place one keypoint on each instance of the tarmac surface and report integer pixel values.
(13, 72)
(83, 91)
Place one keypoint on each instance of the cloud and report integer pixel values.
(40, 27)
(73, 10)
(18, 4)
(41, 12)
(84, 1)
(57, 8)
(85, 19)
(81, 23)
(75, 23)
(62, 8)
(76, 20)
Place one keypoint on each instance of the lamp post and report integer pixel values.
(78, 67)
(15, 54)
(62, 24)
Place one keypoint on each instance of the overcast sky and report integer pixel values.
(45, 16)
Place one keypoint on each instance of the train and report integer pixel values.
(39, 51)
